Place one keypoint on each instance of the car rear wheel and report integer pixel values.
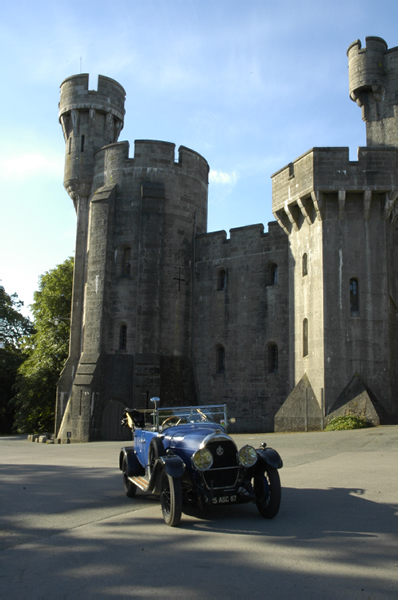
(267, 488)
(171, 499)
(129, 487)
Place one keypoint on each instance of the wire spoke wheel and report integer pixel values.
(267, 488)
(171, 499)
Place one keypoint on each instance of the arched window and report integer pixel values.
(305, 337)
(274, 274)
(272, 358)
(221, 279)
(305, 265)
(126, 267)
(354, 297)
(220, 359)
(123, 337)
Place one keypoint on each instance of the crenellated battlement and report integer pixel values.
(75, 95)
(155, 153)
(243, 241)
(150, 155)
(298, 189)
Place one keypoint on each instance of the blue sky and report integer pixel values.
(248, 84)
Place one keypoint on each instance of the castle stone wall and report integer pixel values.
(355, 341)
(248, 314)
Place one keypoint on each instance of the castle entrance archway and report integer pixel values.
(111, 421)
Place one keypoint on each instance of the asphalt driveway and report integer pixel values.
(68, 531)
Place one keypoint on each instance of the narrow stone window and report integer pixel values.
(221, 280)
(305, 337)
(272, 358)
(274, 274)
(126, 267)
(123, 337)
(70, 144)
(220, 359)
(305, 265)
(82, 144)
(354, 297)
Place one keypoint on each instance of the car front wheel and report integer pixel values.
(129, 487)
(267, 488)
(171, 499)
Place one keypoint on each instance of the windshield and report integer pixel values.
(168, 417)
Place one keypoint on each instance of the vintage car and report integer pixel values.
(185, 455)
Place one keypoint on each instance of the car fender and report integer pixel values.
(134, 465)
(270, 457)
(174, 465)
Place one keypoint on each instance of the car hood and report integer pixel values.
(190, 436)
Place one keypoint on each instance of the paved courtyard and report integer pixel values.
(68, 531)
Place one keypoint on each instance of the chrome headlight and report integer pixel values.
(202, 459)
(247, 456)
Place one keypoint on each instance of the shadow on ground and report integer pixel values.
(76, 524)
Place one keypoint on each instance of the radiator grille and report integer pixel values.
(224, 453)
(221, 478)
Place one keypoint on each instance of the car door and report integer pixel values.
(142, 439)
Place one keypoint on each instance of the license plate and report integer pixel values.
(225, 499)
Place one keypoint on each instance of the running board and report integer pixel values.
(140, 482)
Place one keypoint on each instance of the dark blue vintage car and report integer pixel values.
(185, 456)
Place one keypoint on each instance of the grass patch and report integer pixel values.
(347, 422)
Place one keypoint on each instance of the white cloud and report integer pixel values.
(221, 178)
(31, 164)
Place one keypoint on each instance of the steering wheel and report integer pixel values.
(179, 420)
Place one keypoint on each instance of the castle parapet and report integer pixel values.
(75, 95)
(154, 153)
(298, 188)
(248, 240)
(191, 161)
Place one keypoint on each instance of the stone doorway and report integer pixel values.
(111, 421)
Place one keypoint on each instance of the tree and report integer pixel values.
(47, 350)
(13, 327)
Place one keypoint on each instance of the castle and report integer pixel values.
(286, 327)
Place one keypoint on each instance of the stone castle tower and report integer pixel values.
(286, 327)
(131, 330)
(340, 219)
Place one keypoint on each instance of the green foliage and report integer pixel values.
(346, 422)
(47, 351)
(13, 327)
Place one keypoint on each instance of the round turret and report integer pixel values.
(90, 120)
(366, 69)
(373, 74)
